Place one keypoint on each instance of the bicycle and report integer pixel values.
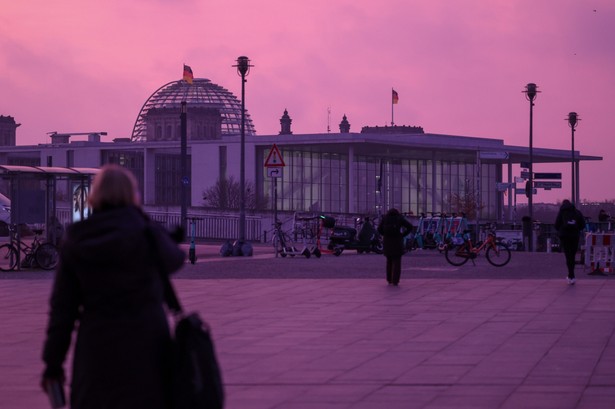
(461, 250)
(37, 254)
(283, 243)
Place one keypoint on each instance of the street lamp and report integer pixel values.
(243, 69)
(184, 166)
(573, 121)
(531, 90)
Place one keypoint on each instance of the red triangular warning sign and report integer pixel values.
(274, 159)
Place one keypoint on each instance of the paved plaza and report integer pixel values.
(295, 333)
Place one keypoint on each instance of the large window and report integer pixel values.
(312, 182)
(169, 179)
(129, 159)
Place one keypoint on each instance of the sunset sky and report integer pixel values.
(459, 67)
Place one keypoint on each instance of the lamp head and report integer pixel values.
(243, 66)
(531, 90)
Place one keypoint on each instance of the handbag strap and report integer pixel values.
(170, 296)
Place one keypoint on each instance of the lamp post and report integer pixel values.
(184, 166)
(573, 121)
(243, 69)
(531, 90)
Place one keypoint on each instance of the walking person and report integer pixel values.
(393, 228)
(569, 223)
(108, 281)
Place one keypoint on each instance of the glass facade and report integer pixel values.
(319, 181)
(312, 181)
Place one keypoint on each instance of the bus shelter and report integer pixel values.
(34, 192)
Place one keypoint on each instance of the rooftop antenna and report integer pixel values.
(328, 119)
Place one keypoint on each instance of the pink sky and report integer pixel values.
(459, 67)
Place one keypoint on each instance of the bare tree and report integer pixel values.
(225, 194)
(466, 202)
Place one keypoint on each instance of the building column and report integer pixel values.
(149, 176)
(351, 177)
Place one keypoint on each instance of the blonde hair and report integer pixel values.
(114, 186)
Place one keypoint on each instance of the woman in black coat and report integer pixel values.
(108, 280)
(394, 227)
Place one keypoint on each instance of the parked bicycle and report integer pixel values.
(461, 250)
(37, 254)
(284, 244)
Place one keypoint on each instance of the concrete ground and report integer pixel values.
(330, 333)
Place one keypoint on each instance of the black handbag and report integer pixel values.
(197, 377)
(197, 380)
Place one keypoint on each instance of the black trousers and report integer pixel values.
(393, 269)
(570, 246)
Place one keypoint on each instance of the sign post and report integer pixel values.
(275, 165)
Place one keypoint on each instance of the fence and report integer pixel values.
(599, 252)
(209, 225)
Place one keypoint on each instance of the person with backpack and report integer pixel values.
(569, 223)
(393, 228)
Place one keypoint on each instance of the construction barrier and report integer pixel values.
(599, 252)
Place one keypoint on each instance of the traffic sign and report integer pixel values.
(520, 179)
(548, 185)
(525, 175)
(493, 155)
(274, 159)
(275, 172)
(547, 175)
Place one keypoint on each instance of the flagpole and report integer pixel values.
(392, 104)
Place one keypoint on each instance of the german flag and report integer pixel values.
(395, 97)
(188, 76)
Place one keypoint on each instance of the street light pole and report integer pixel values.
(184, 166)
(531, 90)
(573, 121)
(243, 69)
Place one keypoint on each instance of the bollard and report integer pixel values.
(548, 244)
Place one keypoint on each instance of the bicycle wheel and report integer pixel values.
(8, 257)
(498, 255)
(46, 256)
(457, 255)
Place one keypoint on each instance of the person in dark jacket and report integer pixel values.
(394, 227)
(108, 280)
(569, 223)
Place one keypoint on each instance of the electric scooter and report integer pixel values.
(192, 249)
(346, 238)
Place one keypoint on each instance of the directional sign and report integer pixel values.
(548, 185)
(503, 186)
(521, 191)
(547, 175)
(275, 172)
(493, 155)
(274, 159)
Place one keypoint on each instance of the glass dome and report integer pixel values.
(201, 93)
